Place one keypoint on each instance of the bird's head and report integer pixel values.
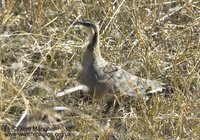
(91, 27)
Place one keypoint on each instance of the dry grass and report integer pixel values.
(40, 50)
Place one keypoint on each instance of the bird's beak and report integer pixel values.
(78, 23)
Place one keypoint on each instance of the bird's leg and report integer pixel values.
(112, 107)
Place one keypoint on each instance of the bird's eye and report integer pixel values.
(87, 24)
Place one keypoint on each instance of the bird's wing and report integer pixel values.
(119, 80)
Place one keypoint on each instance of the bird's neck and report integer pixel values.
(93, 44)
(92, 52)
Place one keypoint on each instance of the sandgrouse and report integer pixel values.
(105, 79)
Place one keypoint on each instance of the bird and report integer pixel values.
(106, 80)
